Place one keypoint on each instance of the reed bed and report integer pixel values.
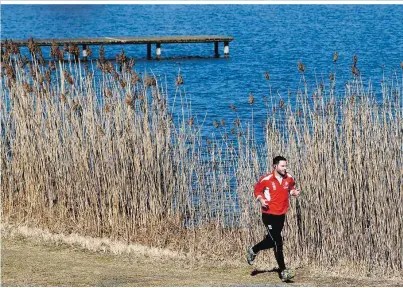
(105, 156)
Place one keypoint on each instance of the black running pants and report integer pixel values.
(274, 225)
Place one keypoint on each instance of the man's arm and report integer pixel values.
(293, 190)
(259, 188)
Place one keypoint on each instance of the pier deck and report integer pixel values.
(157, 41)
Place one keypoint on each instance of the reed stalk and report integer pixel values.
(106, 156)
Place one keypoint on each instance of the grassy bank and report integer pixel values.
(33, 257)
(105, 157)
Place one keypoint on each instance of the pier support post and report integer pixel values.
(85, 54)
(226, 49)
(216, 53)
(148, 51)
(158, 50)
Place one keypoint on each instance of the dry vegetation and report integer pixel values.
(34, 257)
(103, 156)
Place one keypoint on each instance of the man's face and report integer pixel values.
(281, 168)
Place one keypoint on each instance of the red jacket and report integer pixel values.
(275, 194)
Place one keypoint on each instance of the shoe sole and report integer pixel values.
(287, 279)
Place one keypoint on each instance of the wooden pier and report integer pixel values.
(149, 41)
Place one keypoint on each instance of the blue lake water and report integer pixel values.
(269, 38)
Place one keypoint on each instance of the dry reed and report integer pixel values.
(121, 166)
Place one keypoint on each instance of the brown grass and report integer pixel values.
(127, 169)
(31, 257)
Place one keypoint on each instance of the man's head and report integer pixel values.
(280, 165)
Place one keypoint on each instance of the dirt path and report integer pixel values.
(26, 262)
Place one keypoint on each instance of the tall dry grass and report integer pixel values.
(105, 157)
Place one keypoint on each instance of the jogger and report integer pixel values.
(272, 191)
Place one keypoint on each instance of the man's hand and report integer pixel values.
(295, 192)
(263, 203)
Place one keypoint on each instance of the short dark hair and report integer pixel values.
(277, 159)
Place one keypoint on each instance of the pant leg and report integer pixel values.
(268, 241)
(274, 225)
(275, 233)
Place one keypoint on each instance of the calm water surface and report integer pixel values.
(269, 38)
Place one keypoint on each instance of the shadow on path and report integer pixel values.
(274, 270)
(257, 271)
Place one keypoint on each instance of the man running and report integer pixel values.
(272, 192)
